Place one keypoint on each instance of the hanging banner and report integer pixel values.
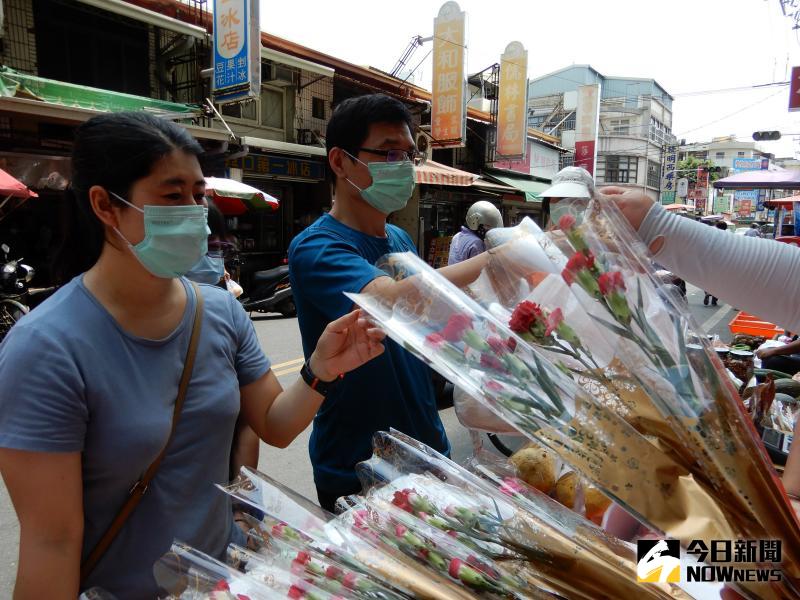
(744, 208)
(449, 99)
(237, 51)
(512, 115)
(669, 174)
(587, 114)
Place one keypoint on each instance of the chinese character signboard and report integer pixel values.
(512, 116)
(237, 50)
(280, 167)
(794, 90)
(709, 561)
(448, 103)
(669, 173)
(586, 117)
(748, 164)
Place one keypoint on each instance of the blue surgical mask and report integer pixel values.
(175, 238)
(210, 269)
(392, 184)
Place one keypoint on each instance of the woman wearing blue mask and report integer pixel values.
(123, 388)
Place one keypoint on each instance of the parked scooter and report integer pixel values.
(14, 279)
(270, 291)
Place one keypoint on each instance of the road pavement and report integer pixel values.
(280, 339)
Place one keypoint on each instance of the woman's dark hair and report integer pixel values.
(216, 221)
(351, 119)
(114, 151)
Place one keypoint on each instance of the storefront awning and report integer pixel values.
(531, 189)
(14, 84)
(434, 173)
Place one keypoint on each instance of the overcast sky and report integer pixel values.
(685, 45)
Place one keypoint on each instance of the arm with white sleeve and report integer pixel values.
(759, 276)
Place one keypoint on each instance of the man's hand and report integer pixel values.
(346, 344)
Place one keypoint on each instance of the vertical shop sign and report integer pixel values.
(512, 116)
(586, 126)
(237, 50)
(669, 173)
(449, 100)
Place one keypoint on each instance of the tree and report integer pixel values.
(692, 163)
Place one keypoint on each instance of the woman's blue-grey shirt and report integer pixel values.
(75, 381)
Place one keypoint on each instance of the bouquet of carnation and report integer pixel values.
(473, 348)
(654, 381)
(531, 537)
(682, 374)
(337, 540)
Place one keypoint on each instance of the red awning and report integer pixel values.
(438, 174)
(787, 203)
(10, 187)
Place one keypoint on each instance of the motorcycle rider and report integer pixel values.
(481, 217)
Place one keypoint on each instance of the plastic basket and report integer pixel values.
(746, 323)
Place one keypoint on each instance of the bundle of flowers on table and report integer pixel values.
(185, 573)
(500, 360)
(273, 543)
(296, 530)
(503, 533)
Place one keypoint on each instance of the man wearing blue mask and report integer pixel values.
(371, 154)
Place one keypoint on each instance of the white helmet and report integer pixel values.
(483, 213)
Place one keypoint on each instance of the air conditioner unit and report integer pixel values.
(278, 75)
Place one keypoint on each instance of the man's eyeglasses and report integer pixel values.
(414, 155)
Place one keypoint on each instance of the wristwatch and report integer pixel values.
(315, 383)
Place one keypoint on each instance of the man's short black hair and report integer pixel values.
(722, 225)
(349, 125)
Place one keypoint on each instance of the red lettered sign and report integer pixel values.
(794, 90)
(584, 156)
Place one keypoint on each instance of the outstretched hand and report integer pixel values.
(633, 203)
(346, 344)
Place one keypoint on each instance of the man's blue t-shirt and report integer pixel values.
(75, 381)
(394, 390)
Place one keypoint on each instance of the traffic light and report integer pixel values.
(766, 136)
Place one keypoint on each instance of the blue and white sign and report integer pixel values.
(237, 50)
(746, 195)
(747, 164)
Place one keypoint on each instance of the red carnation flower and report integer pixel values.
(524, 316)
(295, 592)
(222, 586)
(496, 344)
(456, 325)
(566, 222)
(401, 500)
(455, 567)
(333, 572)
(512, 344)
(435, 339)
(610, 282)
(350, 580)
(491, 362)
(493, 386)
